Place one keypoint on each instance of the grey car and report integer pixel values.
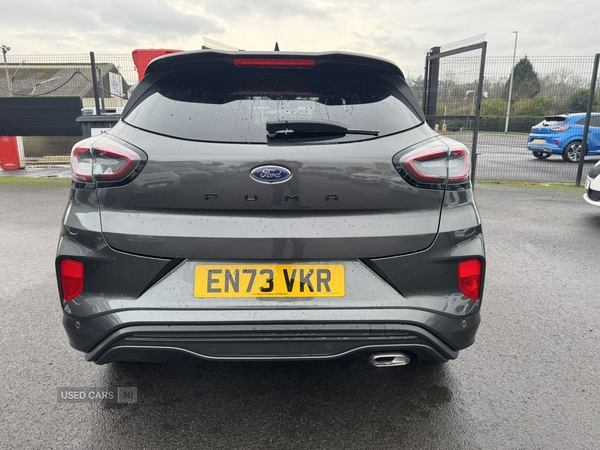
(195, 229)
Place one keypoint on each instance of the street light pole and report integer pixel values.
(512, 75)
(8, 83)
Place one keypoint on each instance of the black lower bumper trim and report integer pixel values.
(265, 342)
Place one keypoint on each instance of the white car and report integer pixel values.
(592, 186)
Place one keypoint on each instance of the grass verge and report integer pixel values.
(566, 186)
(43, 182)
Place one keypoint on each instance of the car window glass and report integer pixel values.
(235, 106)
(552, 120)
(594, 121)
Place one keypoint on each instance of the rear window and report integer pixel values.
(235, 106)
(552, 120)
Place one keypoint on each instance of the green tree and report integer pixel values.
(578, 102)
(416, 84)
(526, 83)
(536, 106)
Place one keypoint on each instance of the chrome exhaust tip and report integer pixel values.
(390, 359)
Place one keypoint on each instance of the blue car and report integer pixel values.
(562, 135)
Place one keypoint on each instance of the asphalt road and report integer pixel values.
(504, 157)
(529, 382)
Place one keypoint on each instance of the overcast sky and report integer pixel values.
(399, 30)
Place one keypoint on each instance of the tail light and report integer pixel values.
(105, 162)
(71, 278)
(459, 166)
(435, 164)
(81, 164)
(469, 278)
(560, 128)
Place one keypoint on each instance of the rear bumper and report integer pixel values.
(137, 308)
(292, 342)
(556, 149)
(545, 148)
(168, 336)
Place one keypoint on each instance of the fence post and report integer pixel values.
(588, 116)
(95, 82)
(430, 96)
(478, 112)
(425, 84)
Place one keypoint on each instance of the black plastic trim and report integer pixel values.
(267, 342)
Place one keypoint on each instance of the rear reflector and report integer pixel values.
(469, 278)
(274, 62)
(71, 278)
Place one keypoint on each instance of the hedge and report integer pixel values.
(518, 124)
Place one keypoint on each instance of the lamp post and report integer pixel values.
(8, 83)
(512, 75)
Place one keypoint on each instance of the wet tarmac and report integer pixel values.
(529, 382)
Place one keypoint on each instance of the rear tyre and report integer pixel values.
(572, 152)
(542, 155)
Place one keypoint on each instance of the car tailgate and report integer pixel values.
(198, 201)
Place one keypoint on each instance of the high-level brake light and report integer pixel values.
(294, 63)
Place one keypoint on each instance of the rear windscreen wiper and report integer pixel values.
(290, 127)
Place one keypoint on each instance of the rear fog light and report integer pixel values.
(71, 278)
(469, 278)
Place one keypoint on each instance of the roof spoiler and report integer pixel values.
(215, 58)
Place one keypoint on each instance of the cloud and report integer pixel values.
(400, 30)
(108, 23)
(270, 10)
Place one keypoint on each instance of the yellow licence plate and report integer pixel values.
(269, 280)
(539, 141)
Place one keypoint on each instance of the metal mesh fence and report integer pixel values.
(56, 77)
(542, 86)
(66, 75)
(463, 43)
